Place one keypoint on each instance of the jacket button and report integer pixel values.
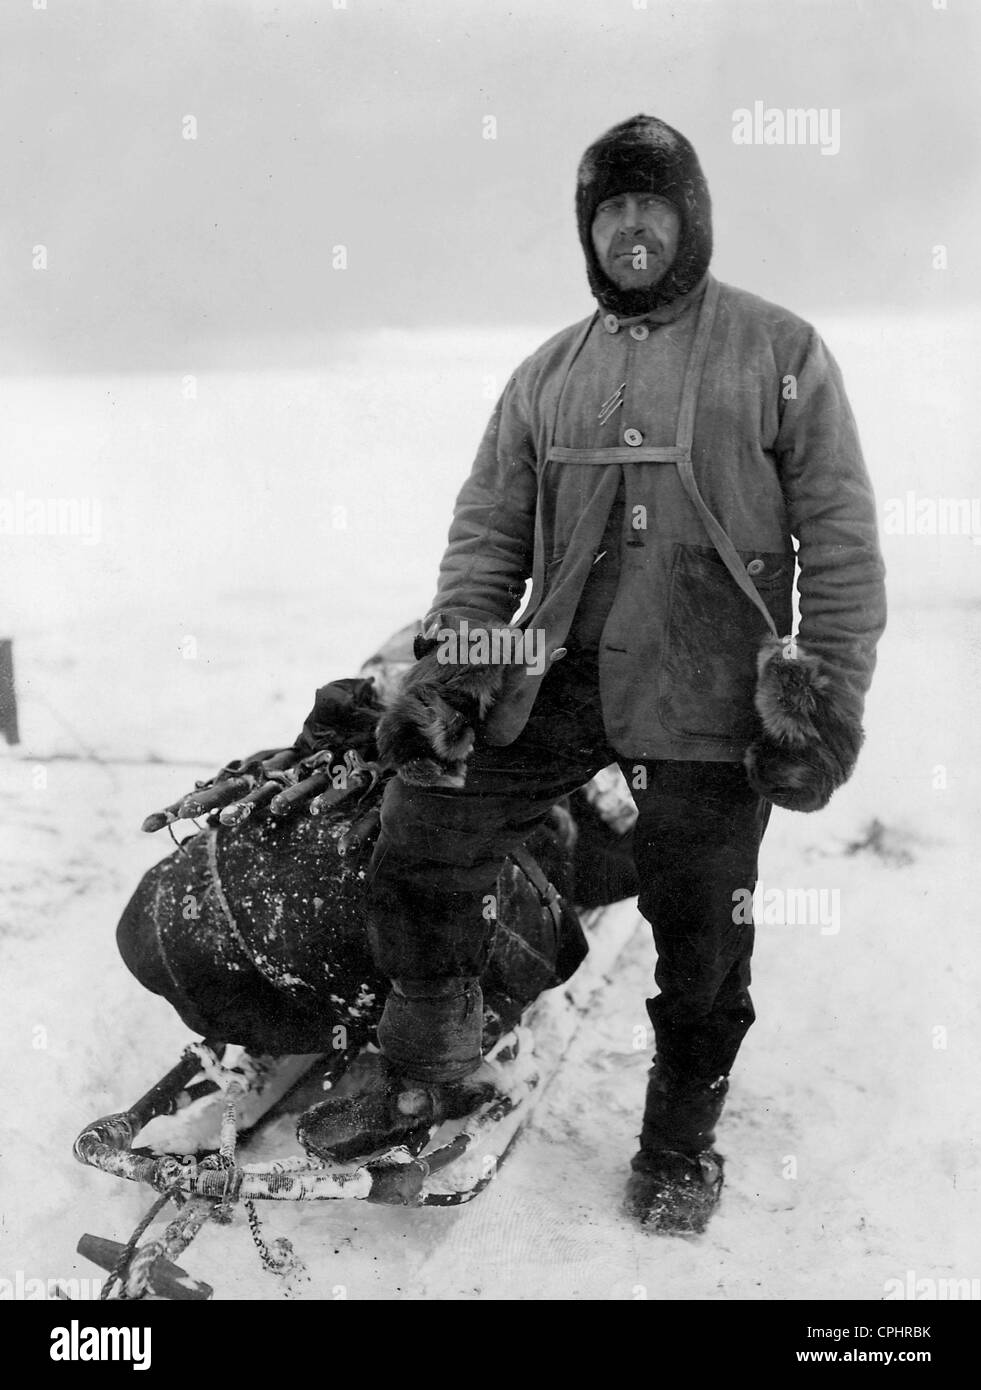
(640, 331)
(755, 567)
(558, 654)
(611, 323)
(633, 438)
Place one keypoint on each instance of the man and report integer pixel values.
(649, 469)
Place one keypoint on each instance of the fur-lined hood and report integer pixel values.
(645, 153)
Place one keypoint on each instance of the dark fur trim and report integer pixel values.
(809, 747)
(645, 153)
(428, 729)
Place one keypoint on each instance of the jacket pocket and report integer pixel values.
(712, 635)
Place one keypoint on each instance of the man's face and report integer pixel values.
(635, 237)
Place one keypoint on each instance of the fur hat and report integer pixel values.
(645, 154)
(809, 746)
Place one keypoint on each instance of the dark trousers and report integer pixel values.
(696, 842)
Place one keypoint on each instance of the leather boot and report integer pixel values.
(430, 1037)
(673, 1193)
(677, 1176)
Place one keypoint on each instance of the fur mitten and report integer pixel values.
(427, 731)
(809, 746)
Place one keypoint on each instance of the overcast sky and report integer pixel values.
(363, 126)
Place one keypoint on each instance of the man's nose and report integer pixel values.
(632, 218)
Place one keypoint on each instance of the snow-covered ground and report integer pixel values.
(264, 536)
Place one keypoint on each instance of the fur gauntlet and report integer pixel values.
(808, 747)
(428, 729)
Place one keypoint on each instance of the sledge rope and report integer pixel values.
(224, 1160)
(176, 1237)
(122, 1265)
(219, 891)
(280, 1259)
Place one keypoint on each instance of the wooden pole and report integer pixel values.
(8, 695)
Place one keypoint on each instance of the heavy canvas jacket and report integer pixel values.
(746, 397)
